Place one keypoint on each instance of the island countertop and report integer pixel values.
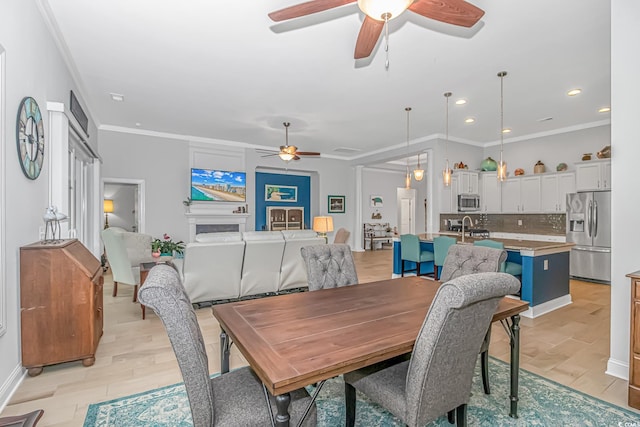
(526, 247)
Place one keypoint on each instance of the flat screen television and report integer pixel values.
(218, 186)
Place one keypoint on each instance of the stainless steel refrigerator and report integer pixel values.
(589, 227)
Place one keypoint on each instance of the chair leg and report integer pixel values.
(115, 289)
(461, 415)
(418, 269)
(451, 416)
(135, 293)
(350, 404)
(402, 268)
(436, 275)
(484, 362)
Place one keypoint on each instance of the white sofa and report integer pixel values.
(220, 266)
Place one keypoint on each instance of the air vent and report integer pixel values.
(346, 150)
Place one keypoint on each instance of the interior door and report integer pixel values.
(406, 202)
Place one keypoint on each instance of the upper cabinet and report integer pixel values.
(521, 195)
(467, 182)
(449, 200)
(593, 175)
(490, 194)
(554, 189)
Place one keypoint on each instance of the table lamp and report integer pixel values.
(322, 225)
(108, 208)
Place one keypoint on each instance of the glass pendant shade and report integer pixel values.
(407, 181)
(418, 174)
(502, 165)
(377, 9)
(502, 170)
(446, 175)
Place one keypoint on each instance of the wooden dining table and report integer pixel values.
(297, 339)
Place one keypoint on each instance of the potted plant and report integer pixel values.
(187, 204)
(166, 246)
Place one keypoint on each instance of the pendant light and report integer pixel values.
(446, 173)
(502, 165)
(407, 180)
(418, 172)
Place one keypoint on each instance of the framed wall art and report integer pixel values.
(280, 193)
(335, 204)
(375, 201)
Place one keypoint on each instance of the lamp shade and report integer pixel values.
(376, 9)
(108, 206)
(322, 224)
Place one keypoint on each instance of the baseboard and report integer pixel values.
(11, 385)
(546, 307)
(617, 368)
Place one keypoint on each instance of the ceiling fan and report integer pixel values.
(379, 12)
(290, 152)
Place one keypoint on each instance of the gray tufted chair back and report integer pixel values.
(460, 314)
(468, 259)
(329, 266)
(163, 292)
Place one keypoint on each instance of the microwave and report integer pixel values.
(468, 202)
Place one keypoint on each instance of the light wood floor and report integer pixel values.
(569, 346)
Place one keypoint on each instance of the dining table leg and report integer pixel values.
(282, 406)
(224, 351)
(515, 364)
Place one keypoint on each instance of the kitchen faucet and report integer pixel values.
(470, 222)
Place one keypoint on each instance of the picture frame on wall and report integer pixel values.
(375, 201)
(336, 204)
(280, 193)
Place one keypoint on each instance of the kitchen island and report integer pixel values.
(545, 269)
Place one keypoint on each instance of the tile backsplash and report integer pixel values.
(547, 224)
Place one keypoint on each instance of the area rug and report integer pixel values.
(542, 403)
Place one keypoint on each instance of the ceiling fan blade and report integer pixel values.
(307, 153)
(307, 8)
(296, 158)
(368, 37)
(456, 12)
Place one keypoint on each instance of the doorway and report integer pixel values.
(127, 203)
(406, 202)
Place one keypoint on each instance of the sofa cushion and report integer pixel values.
(227, 236)
(261, 235)
(299, 234)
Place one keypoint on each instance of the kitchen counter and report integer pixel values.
(526, 247)
(545, 268)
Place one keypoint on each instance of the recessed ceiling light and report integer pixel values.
(138, 124)
(506, 130)
(461, 101)
(574, 92)
(604, 110)
(469, 120)
(118, 97)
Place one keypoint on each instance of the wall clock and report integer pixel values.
(30, 137)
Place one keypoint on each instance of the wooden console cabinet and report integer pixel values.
(634, 356)
(60, 304)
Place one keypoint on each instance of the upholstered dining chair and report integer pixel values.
(513, 268)
(410, 251)
(342, 236)
(234, 398)
(440, 248)
(329, 266)
(26, 420)
(469, 259)
(432, 383)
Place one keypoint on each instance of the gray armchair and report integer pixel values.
(234, 398)
(329, 266)
(433, 382)
(467, 259)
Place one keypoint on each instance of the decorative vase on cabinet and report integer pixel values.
(488, 164)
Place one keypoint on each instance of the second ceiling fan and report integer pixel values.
(290, 152)
(378, 13)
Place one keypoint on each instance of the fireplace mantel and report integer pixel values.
(213, 217)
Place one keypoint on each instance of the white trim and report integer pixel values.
(547, 307)
(141, 197)
(567, 129)
(617, 368)
(10, 386)
(3, 200)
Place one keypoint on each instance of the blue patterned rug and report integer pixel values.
(542, 403)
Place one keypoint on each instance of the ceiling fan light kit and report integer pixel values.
(290, 152)
(382, 10)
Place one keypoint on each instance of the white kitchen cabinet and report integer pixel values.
(449, 198)
(554, 189)
(467, 182)
(593, 175)
(521, 195)
(490, 195)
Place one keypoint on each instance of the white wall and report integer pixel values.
(382, 183)
(124, 205)
(33, 68)
(625, 134)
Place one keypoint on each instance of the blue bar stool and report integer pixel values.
(508, 267)
(410, 251)
(440, 248)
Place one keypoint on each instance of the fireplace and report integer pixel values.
(208, 222)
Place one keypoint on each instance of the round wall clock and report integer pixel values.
(30, 137)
